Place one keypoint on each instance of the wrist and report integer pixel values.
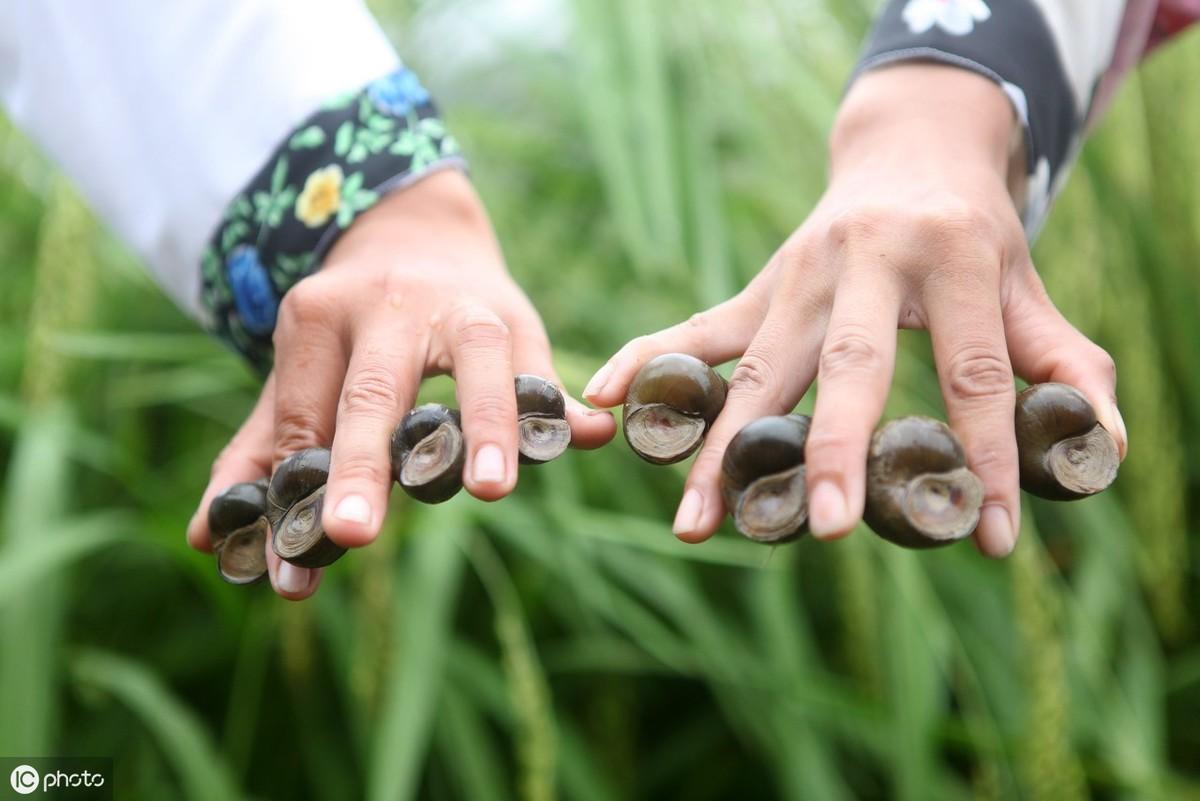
(441, 205)
(911, 112)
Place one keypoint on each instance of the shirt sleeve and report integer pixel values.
(195, 129)
(1049, 57)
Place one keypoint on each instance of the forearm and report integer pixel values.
(1045, 56)
(912, 110)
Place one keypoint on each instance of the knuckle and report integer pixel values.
(305, 304)
(754, 376)
(993, 459)
(698, 324)
(295, 429)
(978, 373)
(492, 409)
(859, 222)
(707, 463)
(229, 456)
(1103, 363)
(950, 216)
(481, 329)
(372, 391)
(826, 440)
(640, 348)
(849, 350)
(361, 469)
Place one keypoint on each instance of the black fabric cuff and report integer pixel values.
(333, 167)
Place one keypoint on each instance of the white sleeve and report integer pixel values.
(161, 111)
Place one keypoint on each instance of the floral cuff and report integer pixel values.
(1010, 43)
(337, 164)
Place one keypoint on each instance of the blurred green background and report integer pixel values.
(641, 160)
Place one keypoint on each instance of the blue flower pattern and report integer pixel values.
(253, 294)
(398, 92)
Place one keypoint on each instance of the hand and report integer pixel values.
(416, 286)
(916, 229)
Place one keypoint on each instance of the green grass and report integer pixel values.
(561, 644)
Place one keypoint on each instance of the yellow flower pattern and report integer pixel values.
(321, 197)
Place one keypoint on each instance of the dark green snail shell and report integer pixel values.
(670, 404)
(238, 528)
(428, 452)
(1064, 452)
(295, 499)
(763, 478)
(542, 429)
(920, 493)
(238, 506)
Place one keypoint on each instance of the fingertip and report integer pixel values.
(996, 536)
(829, 514)
(590, 428)
(1110, 417)
(698, 516)
(197, 532)
(290, 582)
(598, 382)
(490, 473)
(351, 520)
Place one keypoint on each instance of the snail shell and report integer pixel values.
(428, 452)
(763, 479)
(671, 403)
(295, 498)
(542, 429)
(238, 526)
(920, 493)
(1064, 452)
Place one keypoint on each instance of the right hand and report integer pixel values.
(416, 286)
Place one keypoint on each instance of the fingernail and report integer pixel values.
(290, 578)
(597, 412)
(598, 381)
(996, 535)
(1122, 435)
(353, 509)
(827, 511)
(688, 516)
(489, 465)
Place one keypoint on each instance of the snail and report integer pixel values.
(428, 453)
(1064, 451)
(542, 429)
(920, 493)
(295, 498)
(762, 478)
(238, 526)
(671, 403)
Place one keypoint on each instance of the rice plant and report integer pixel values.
(641, 161)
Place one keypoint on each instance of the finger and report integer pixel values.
(714, 336)
(291, 582)
(310, 366)
(776, 370)
(976, 378)
(854, 375)
(1044, 346)
(381, 383)
(590, 428)
(480, 347)
(247, 457)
